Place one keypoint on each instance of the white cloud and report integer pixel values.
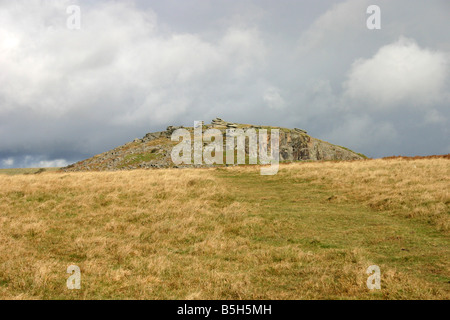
(118, 56)
(30, 161)
(399, 74)
(8, 162)
(49, 163)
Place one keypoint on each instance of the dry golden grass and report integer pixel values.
(229, 233)
(100, 218)
(415, 189)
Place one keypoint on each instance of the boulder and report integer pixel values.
(218, 121)
(300, 130)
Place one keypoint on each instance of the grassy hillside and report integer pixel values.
(309, 232)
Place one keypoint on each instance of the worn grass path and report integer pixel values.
(341, 239)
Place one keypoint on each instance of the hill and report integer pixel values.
(154, 149)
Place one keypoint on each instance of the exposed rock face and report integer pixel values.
(154, 149)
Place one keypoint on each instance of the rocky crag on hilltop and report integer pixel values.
(154, 149)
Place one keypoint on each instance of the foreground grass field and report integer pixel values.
(309, 232)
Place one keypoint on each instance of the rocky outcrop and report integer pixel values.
(154, 149)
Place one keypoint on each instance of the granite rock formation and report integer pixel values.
(154, 149)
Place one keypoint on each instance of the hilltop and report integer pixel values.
(154, 149)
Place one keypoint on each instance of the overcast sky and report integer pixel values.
(138, 66)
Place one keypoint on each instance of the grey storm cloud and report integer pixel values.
(138, 66)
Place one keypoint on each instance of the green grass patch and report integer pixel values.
(16, 171)
(136, 158)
